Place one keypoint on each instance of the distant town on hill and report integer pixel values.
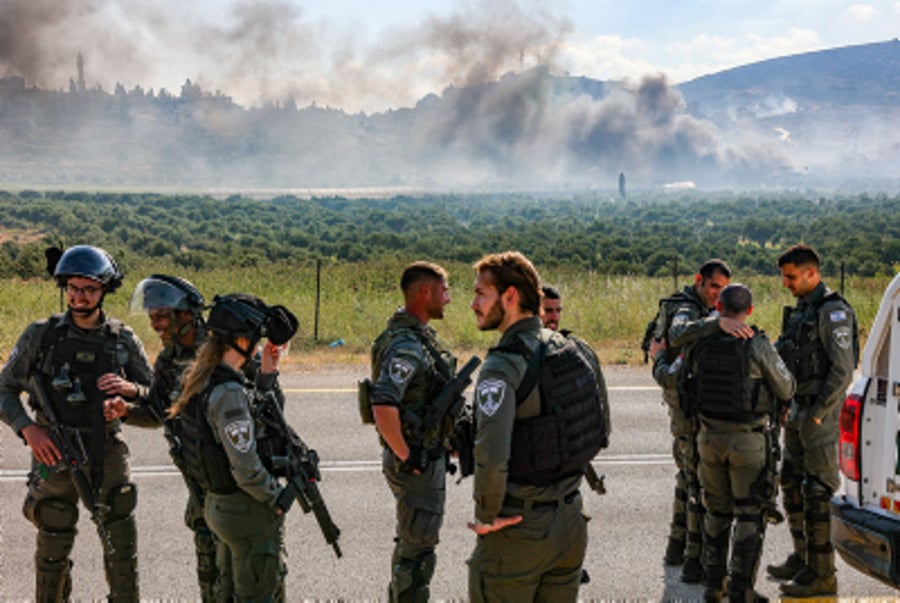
(821, 119)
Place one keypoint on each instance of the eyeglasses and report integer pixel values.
(89, 291)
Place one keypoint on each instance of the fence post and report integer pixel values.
(318, 296)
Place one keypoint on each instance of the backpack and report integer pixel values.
(570, 429)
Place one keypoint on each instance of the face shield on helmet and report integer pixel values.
(159, 291)
(88, 262)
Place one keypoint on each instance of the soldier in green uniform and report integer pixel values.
(736, 386)
(819, 344)
(175, 308)
(684, 318)
(532, 534)
(409, 367)
(79, 358)
(218, 434)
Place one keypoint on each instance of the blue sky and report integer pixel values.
(380, 54)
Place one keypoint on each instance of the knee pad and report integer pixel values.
(121, 500)
(52, 514)
(53, 547)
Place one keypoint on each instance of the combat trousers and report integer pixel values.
(538, 559)
(687, 506)
(732, 460)
(420, 503)
(252, 536)
(52, 505)
(810, 475)
(205, 543)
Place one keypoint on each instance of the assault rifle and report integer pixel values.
(448, 403)
(71, 447)
(288, 456)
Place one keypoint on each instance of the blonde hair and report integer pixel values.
(209, 356)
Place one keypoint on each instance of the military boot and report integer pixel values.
(715, 556)
(787, 570)
(808, 584)
(674, 551)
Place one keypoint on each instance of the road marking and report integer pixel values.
(142, 471)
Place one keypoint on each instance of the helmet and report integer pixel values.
(163, 291)
(241, 315)
(88, 262)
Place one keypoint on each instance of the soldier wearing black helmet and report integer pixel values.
(175, 309)
(78, 358)
(220, 449)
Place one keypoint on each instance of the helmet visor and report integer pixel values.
(152, 293)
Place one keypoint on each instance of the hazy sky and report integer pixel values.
(379, 54)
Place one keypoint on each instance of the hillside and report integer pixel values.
(812, 120)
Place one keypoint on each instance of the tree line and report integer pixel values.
(651, 235)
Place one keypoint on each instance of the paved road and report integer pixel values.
(627, 533)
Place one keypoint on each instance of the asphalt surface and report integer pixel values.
(627, 533)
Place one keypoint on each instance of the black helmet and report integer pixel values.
(241, 315)
(88, 262)
(163, 291)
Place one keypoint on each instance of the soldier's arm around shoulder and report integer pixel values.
(774, 371)
(687, 326)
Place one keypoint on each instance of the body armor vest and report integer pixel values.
(204, 458)
(70, 363)
(808, 360)
(441, 367)
(571, 428)
(720, 380)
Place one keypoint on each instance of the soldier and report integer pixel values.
(175, 308)
(514, 497)
(409, 367)
(74, 361)
(683, 318)
(219, 437)
(551, 307)
(819, 342)
(736, 386)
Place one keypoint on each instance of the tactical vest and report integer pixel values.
(718, 381)
(69, 363)
(570, 429)
(441, 366)
(204, 458)
(808, 360)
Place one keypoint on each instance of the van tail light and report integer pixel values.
(851, 412)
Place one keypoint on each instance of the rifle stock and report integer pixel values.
(449, 401)
(68, 442)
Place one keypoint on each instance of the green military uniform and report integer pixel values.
(221, 455)
(61, 354)
(686, 319)
(818, 344)
(409, 366)
(735, 415)
(541, 557)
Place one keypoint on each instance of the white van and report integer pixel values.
(865, 515)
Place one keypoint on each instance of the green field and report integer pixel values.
(356, 300)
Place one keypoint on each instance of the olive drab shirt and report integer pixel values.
(22, 363)
(230, 417)
(404, 371)
(824, 375)
(495, 412)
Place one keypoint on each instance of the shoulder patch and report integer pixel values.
(838, 315)
(400, 370)
(842, 336)
(490, 395)
(240, 435)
